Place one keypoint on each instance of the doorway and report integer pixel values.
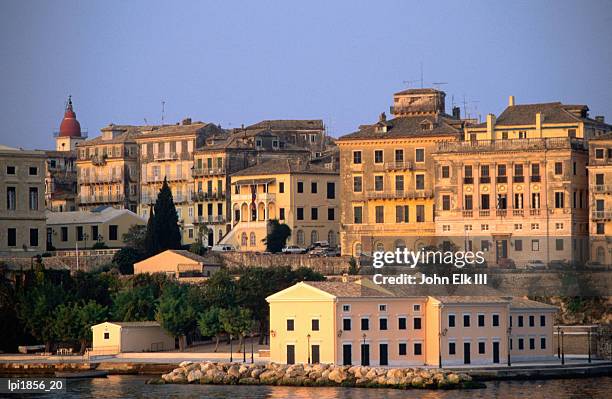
(290, 354)
(384, 354)
(466, 353)
(495, 352)
(347, 355)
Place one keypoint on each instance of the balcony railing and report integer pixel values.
(100, 179)
(485, 179)
(511, 145)
(160, 178)
(211, 219)
(601, 215)
(198, 172)
(398, 165)
(207, 196)
(535, 179)
(392, 194)
(98, 199)
(468, 180)
(249, 197)
(518, 179)
(501, 179)
(601, 188)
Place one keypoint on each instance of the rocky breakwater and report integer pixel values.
(315, 375)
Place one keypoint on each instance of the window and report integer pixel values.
(446, 202)
(402, 349)
(382, 324)
(10, 170)
(531, 343)
(300, 213)
(346, 308)
(416, 322)
(380, 214)
(420, 182)
(331, 214)
(365, 324)
(281, 187)
(418, 349)
(481, 320)
(356, 157)
(542, 320)
(33, 237)
(401, 214)
(315, 324)
(401, 323)
(531, 321)
(535, 245)
(445, 172)
(467, 170)
(11, 237)
(378, 183)
(79, 233)
(495, 320)
(520, 321)
(558, 168)
(484, 201)
(599, 153)
(559, 244)
(290, 324)
(467, 203)
(559, 197)
(252, 239)
(416, 308)
(518, 245)
(419, 155)
(331, 190)
(357, 215)
(399, 155)
(357, 184)
(484, 227)
(599, 179)
(542, 343)
(504, 135)
(466, 320)
(33, 171)
(64, 233)
(314, 213)
(300, 187)
(535, 226)
(420, 213)
(346, 324)
(600, 228)
(451, 320)
(33, 198)
(452, 348)
(382, 308)
(521, 344)
(399, 183)
(11, 198)
(313, 187)
(481, 348)
(112, 232)
(378, 156)
(281, 213)
(106, 335)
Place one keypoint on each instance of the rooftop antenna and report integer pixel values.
(465, 103)
(145, 120)
(438, 84)
(163, 110)
(409, 82)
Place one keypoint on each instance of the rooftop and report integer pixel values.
(288, 124)
(284, 166)
(103, 216)
(406, 127)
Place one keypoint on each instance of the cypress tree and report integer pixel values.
(165, 225)
(150, 235)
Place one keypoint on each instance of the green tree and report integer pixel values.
(125, 259)
(220, 289)
(353, 268)
(163, 232)
(150, 241)
(89, 314)
(210, 325)
(175, 313)
(236, 321)
(135, 237)
(198, 246)
(72, 321)
(9, 337)
(134, 304)
(277, 236)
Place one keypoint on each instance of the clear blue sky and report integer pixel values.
(240, 62)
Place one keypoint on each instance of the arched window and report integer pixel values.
(601, 255)
(252, 239)
(357, 249)
(314, 236)
(380, 246)
(331, 238)
(244, 240)
(400, 244)
(300, 237)
(220, 235)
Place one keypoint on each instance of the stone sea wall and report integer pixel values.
(315, 375)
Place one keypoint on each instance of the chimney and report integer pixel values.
(539, 118)
(511, 101)
(456, 112)
(600, 118)
(186, 121)
(491, 126)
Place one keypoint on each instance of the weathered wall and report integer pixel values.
(327, 266)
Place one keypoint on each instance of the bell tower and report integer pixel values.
(69, 134)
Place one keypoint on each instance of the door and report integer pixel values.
(290, 354)
(495, 352)
(466, 353)
(384, 354)
(365, 354)
(315, 354)
(501, 250)
(347, 355)
(211, 238)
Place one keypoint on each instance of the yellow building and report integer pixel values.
(22, 214)
(600, 199)
(293, 191)
(357, 322)
(178, 264)
(110, 338)
(107, 169)
(66, 230)
(166, 152)
(386, 174)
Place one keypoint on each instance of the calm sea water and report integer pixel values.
(135, 387)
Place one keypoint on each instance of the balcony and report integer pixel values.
(484, 213)
(98, 160)
(398, 165)
(601, 188)
(211, 219)
(266, 197)
(468, 180)
(501, 179)
(501, 212)
(160, 178)
(512, 145)
(202, 196)
(518, 179)
(485, 180)
(391, 194)
(99, 179)
(101, 199)
(519, 212)
(200, 172)
(536, 179)
(601, 215)
(467, 213)
(534, 212)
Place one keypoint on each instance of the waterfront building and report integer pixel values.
(291, 190)
(111, 338)
(67, 230)
(600, 198)
(108, 169)
(22, 214)
(386, 174)
(303, 133)
(357, 322)
(516, 186)
(179, 264)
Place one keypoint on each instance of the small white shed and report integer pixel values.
(130, 336)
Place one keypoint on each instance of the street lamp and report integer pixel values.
(440, 335)
(244, 348)
(562, 348)
(231, 350)
(509, 331)
(252, 351)
(559, 342)
(363, 350)
(589, 338)
(308, 338)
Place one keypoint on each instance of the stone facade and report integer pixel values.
(600, 199)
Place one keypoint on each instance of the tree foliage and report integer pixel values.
(163, 230)
(278, 233)
(135, 237)
(125, 259)
(175, 313)
(210, 325)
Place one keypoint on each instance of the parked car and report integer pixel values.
(558, 265)
(535, 265)
(317, 252)
(332, 252)
(293, 249)
(506, 263)
(223, 248)
(593, 264)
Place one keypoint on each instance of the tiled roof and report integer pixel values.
(103, 216)
(524, 303)
(288, 124)
(128, 136)
(407, 126)
(136, 323)
(176, 130)
(283, 166)
(418, 91)
(195, 257)
(525, 114)
(471, 299)
(346, 290)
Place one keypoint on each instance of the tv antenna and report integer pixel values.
(465, 105)
(163, 103)
(438, 84)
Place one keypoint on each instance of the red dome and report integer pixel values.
(70, 127)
